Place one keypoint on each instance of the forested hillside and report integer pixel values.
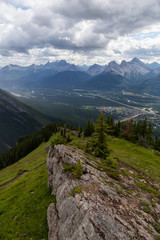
(16, 120)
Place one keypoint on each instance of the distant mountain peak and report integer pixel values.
(113, 66)
(123, 62)
(10, 67)
(132, 69)
(95, 69)
(62, 65)
(136, 60)
(32, 66)
(95, 65)
(153, 65)
(112, 63)
(62, 61)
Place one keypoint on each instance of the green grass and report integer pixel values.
(147, 161)
(143, 159)
(23, 207)
(24, 202)
(30, 162)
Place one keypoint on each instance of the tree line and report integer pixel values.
(139, 132)
(27, 144)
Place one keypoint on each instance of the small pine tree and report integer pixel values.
(156, 144)
(89, 129)
(149, 133)
(98, 143)
(117, 129)
(80, 132)
(128, 131)
(102, 128)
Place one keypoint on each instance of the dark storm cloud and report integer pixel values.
(77, 25)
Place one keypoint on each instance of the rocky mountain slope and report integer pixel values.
(94, 206)
(133, 70)
(95, 69)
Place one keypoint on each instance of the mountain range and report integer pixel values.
(62, 75)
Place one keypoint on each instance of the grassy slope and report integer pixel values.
(24, 202)
(30, 162)
(24, 206)
(145, 160)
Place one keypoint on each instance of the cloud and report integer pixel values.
(144, 53)
(84, 27)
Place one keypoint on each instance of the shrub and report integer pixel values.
(76, 190)
(109, 165)
(59, 139)
(111, 162)
(156, 226)
(74, 171)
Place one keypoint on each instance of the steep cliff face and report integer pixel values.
(94, 206)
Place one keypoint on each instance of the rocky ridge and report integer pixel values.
(135, 66)
(97, 207)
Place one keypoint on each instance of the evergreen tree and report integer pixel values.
(157, 143)
(110, 121)
(89, 129)
(80, 132)
(128, 130)
(27, 144)
(117, 129)
(149, 133)
(98, 143)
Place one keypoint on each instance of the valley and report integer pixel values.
(121, 105)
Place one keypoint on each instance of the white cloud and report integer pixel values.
(91, 30)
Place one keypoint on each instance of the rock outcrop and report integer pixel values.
(96, 207)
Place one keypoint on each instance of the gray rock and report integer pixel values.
(52, 219)
(97, 212)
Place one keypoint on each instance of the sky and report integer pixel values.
(79, 31)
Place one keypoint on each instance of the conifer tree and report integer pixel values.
(102, 128)
(128, 131)
(89, 129)
(117, 129)
(80, 132)
(98, 143)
